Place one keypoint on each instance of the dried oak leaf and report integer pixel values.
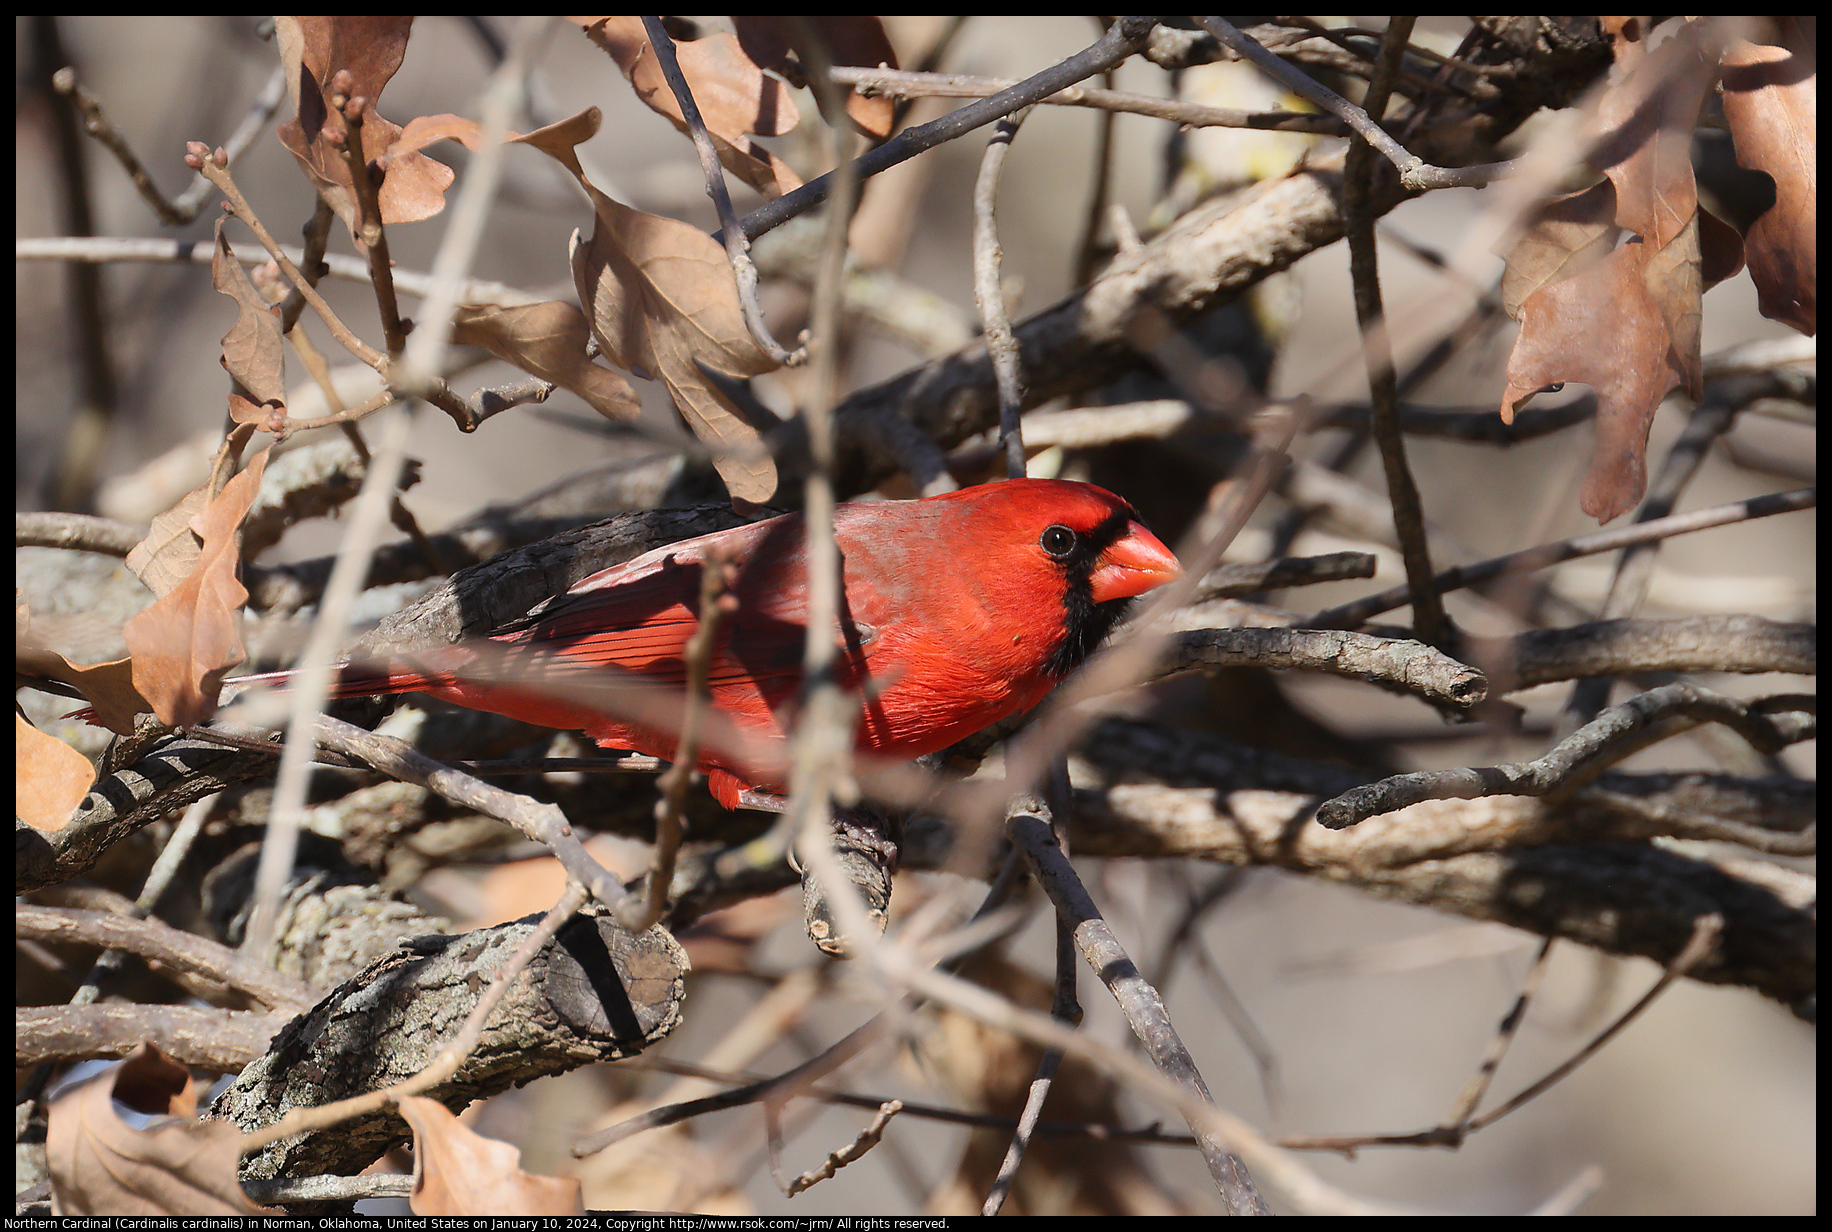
(660, 298)
(1601, 327)
(1647, 117)
(313, 50)
(254, 352)
(457, 1172)
(1770, 102)
(662, 302)
(547, 340)
(109, 689)
(100, 1165)
(1623, 318)
(49, 777)
(735, 97)
(1566, 235)
(854, 40)
(185, 643)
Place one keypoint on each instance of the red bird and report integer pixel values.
(957, 610)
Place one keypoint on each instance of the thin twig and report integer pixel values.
(1428, 615)
(71, 482)
(1705, 932)
(774, 1089)
(1065, 1006)
(716, 603)
(850, 1153)
(737, 242)
(1613, 735)
(1187, 934)
(1704, 935)
(988, 291)
(1471, 1096)
(950, 1116)
(190, 203)
(1125, 37)
(1087, 249)
(312, 685)
(316, 233)
(904, 84)
(103, 249)
(1414, 172)
(365, 189)
(1348, 615)
(1143, 1007)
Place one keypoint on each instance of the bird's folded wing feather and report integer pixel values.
(642, 625)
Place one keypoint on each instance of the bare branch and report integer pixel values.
(1770, 724)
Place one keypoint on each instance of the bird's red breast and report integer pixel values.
(957, 611)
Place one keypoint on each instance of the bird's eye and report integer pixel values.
(1058, 541)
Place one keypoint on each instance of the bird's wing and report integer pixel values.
(640, 622)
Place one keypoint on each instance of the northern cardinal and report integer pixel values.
(957, 610)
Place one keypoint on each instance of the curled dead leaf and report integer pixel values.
(184, 644)
(254, 352)
(457, 1172)
(100, 1165)
(660, 304)
(734, 96)
(1770, 103)
(547, 340)
(855, 40)
(370, 49)
(49, 777)
(1601, 327)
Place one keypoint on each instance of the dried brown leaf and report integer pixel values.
(185, 643)
(49, 777)
(660, 307)
(254, 352)
(457, 1172)
(1770, 102)
(422, 131)
(1568, 234)
(371, 48)
(168, 554)
(1602, 327)
(107, 687)
(661, 300)
(853, 40)
(547, 340)
(1646, 117)
(100, 1165)
(1640, 334)
(734, 96)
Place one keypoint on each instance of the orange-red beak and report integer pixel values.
(1135, 563)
